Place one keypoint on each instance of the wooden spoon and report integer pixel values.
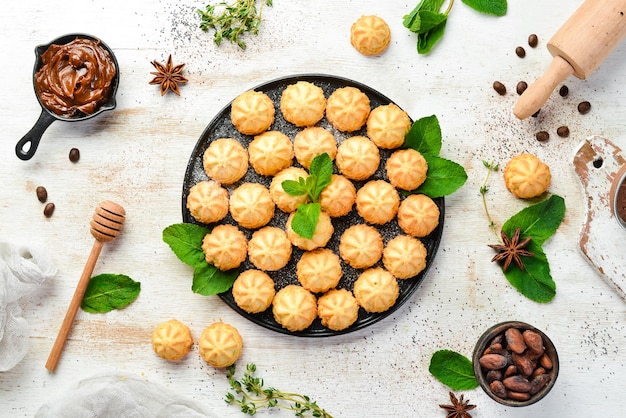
(106, 225)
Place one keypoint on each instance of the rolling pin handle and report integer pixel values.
(538, 93)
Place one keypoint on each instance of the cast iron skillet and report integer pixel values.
(26, 147)
(221, 127)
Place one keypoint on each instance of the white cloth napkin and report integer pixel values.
(22, 270)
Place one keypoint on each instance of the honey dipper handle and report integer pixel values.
(538, 93)
(66, 326)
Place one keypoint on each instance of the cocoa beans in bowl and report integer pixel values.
(515, 363)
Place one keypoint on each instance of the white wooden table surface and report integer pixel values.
(137, 155)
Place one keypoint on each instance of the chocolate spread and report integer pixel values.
(75, 78)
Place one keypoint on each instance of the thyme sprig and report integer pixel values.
(251, 396)
(231, 20)
(491, 166)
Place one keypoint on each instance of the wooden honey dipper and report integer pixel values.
(106, 225)
(578, 48)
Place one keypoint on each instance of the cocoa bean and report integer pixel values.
(494, 375)
(524, 365)
(493, 361)
(518, 396)
(533, 341)
(498, 389)
(515, 340)
(494, 349)
(510, 371)
(517, 383)
(538, 383)
(497, 340)
(545, 361)
(539, 370)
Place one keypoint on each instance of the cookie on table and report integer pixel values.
(225, 247)
(406, 169)
(319, 270)
(294, 307)
(337, 199)
(207, 201)
(225, 160)
(220, 345)
(270, 152)
(269, 249)
(376, 290)
(252, 112)
(283, 200)
(377, 202)
(323, 232)
(172, 340)
(313, 141)
(251, 205)
(387, 125)
(361, 246)
(303, 103)
(347, 109)
(404, 256)
(370, 35)
(526, 176)
(418, 215)
(357, 158)
(253, 291)
(337, 309)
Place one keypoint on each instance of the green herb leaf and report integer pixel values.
(453, 370)
(540, 222)
(443, 177)
(294, 188)
(321, 172)
(185, 240)
(425, 136)
(427, 40)
(492, 7)
(209, 280)
(305, 219)
(107, 292)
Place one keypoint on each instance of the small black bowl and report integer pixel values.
(481, 374)
(26, 147)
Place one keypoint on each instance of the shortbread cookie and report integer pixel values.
(370, 35)
(338, 309)
(527, 176)
(269, 248)
(361, 246)
(286, 202)
(303, 103)
(357, 158)
(253, 291)
(207, 201)
(172, 340)
(225, 247)
(377, 202)
(251, 205)
(404, 256)
(294, 307)
(313, 141)
(338, 197)
(406, 169)
(418, 215)
(323, 231)
(387, 125)
(252, 112)
(376, 290)
(270, 152)
(347, 109)
(319, 270)
(220, 345)
(225, 160)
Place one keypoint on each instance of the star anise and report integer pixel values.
(459, 408)
(511, 250)
(168, 76)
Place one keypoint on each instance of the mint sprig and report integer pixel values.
(453, 370)
(443, 177)
(107, 292)
(305, 219)
(429, 23)
(185, 240)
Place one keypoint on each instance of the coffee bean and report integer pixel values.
(521, 87)
(542, 136)
(562, 131)
(520, 51)
(533, 40)
(564, 91)
(42, 194)
(74, 155)
(499, 88)
(48, 210)
(584, 107)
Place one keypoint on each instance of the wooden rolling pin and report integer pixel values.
(578, 48)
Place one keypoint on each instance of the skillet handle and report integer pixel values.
(32, 138)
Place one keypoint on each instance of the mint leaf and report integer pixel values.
(443, 177)
(107, 292)
(453, 370)
(426, 41)
(185, 240)
(492, 7)
(539, 221)
(321, 170)
(294, 188)
(209, 280)
(305, 219)
(425, 136)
